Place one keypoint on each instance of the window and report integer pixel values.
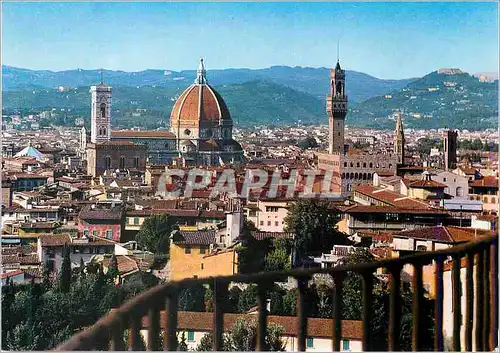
(309, 342)
(202, 251)
(190, 337)
(95, 233)
(345, 345)
(187, 250)
(444, 179)
(122, 162)
(276, 223)
(202, 266)
(261, 223)
(109, 234)
(345, 164)
(136, 220)
(108, 162)
(103, 110)
(269, 223)
(460, 191)
(136, 162)
(86, 232)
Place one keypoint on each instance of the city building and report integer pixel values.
(200, 133)
(350, 168)
(450, 144)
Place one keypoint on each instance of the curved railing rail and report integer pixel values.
(481, 289)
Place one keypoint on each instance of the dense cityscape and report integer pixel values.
(200, 231)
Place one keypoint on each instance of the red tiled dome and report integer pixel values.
(199, 102)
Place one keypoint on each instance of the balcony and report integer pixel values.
(479, 313)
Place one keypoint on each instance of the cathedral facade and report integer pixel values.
(200, 133)
(350, 169)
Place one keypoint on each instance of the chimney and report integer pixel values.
(268, 305)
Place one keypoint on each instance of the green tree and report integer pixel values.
(65, 275)
(155, 233)
(248, 298)
(182, 344)
(192, 298)
(278, 259)
(313, 222)
(113, 271)
(308, 142)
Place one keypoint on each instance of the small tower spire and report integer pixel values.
(100, 73)
(338, 50)
(201, 73)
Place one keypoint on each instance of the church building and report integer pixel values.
(200, 133)
(350, 169)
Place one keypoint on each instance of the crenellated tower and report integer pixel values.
(336, 107)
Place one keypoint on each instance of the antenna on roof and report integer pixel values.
(338, 49)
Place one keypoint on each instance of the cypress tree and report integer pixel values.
(65, 275)
(113, 271)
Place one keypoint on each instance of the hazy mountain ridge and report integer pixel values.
(314, 81)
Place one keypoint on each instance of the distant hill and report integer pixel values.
(250, 103)
(434, 101)
(314, 81)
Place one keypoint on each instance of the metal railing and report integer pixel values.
(481, 311)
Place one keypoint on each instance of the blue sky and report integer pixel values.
(386, 40)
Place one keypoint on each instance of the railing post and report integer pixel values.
(170, 339)
(438, 310)
(457, 305)
(154, 328)
(494, 293)
(301, 313)
(479, 301)
(135, 337)
(337, 311)
(117, 342)
(219, 299)
(367, 310)
(394, 308)
(417, 297)
(262, 322)
(487, 298)
(469, 310)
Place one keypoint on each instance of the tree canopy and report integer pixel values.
(155, 232)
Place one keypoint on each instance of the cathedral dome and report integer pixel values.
(199, 102)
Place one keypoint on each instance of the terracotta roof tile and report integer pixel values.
(203, 321)
(142, 134)
(273, 235)
(198, 237)
(126, 264)
(487, 181)
(89, 213)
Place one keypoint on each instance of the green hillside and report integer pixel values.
(250, 103)
(435, 100)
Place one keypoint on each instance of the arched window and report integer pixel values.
(364, 176)
(421, 248)
(343, 175)
(369, 176)
(493, 199)
(345, 164)
(108, 162)
(357, 165)
(485, 200)
(355, 175)
(364, 165)
(122, 162)
(352, 165)
(460, 191)
(348, 187)
(103, 110)
(390, 166)
(136, 162)
(446, 190)
(352, 175)
(371, 165)
(104, 132)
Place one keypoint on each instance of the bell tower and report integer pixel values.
(399, 140)
(100, 118)
(336, 107)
